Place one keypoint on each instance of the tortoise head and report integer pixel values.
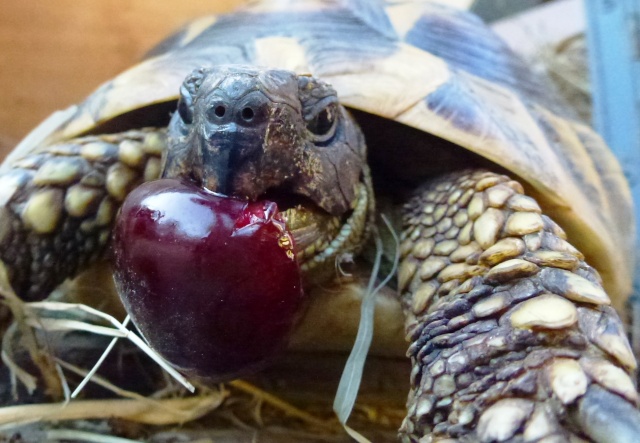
(245, 132)
(255, 133)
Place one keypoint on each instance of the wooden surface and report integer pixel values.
(54, 53)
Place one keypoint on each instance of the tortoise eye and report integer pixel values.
(323, 124)
(185, 111)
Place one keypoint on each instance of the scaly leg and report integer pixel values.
(58, 204)
(512, 336)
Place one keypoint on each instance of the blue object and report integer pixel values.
(614, 46)
(613, 32)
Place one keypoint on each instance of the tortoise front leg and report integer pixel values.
(58, 204)
(512, 336)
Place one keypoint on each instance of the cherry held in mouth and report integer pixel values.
(211, 282)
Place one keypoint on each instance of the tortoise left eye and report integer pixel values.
(323, 124)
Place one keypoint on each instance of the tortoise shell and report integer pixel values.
(436, 69)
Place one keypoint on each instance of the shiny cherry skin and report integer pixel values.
(211, 282)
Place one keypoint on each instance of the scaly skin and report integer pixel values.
(511, 332)
(58, 205)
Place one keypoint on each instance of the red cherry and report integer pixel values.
(211, 282)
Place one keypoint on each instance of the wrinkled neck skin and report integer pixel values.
(255, 134)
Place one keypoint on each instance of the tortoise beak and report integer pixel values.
(223, 153)
(241, 148)
(233, 146)
(242, 159)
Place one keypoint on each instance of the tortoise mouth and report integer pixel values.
(313, 229)
(320, 237)
(287, 199)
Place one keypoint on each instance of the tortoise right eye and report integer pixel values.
(186, 114)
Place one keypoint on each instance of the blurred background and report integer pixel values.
(54, 53)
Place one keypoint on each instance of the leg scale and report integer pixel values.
(509, 327)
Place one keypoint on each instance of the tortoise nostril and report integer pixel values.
(247, 114)
(220, 111)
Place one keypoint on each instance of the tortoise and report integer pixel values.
(501, 198)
